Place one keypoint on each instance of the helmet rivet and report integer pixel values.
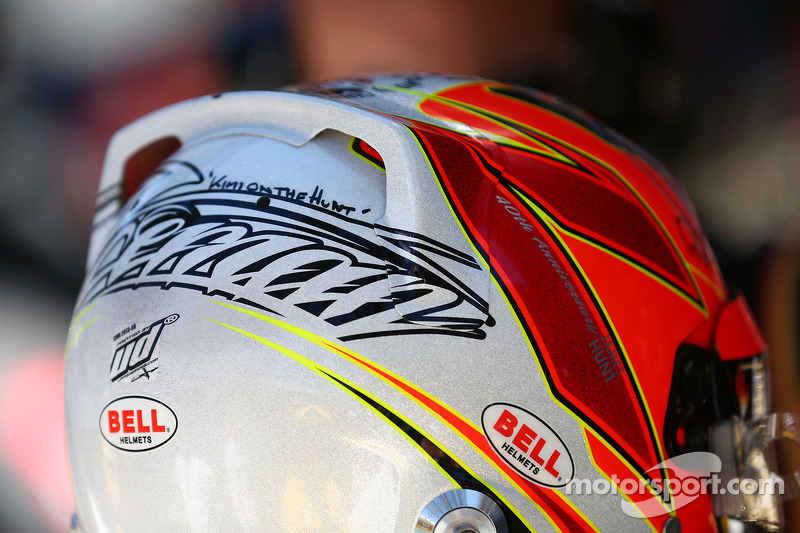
(462, 511)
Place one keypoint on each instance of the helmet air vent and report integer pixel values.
(141, 164)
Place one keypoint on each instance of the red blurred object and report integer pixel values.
(33, 434)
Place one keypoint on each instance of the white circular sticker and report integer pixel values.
(527, 444)
(137, 423)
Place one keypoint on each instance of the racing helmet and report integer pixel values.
(408, 303)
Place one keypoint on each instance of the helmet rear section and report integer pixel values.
(404, 304)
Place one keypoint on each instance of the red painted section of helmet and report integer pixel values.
(551, 299)
(737, 334)
(585, 229)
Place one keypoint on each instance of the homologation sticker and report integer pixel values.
(137, 423)
(528, 444)
(135, 350)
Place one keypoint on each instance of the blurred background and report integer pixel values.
(710, 87)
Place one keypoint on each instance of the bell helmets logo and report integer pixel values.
(137, 423)
(528, 445)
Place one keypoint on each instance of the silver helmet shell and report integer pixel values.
(290, 327)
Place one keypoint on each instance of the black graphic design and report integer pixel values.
(133, 356)
(183, 231)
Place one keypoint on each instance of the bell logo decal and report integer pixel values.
(137, 423)
(527, 444)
